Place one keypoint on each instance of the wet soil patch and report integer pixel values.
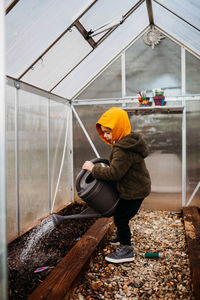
(43, 246)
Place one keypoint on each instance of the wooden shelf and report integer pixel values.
(154, 109)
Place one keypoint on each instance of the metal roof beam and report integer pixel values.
(36, 90)
(8, 9)
(84, 33)
(150, 11)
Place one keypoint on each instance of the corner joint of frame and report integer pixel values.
(17, 84)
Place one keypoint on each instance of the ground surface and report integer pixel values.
(167, 277)
(44, 246)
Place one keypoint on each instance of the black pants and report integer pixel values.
(125, 211)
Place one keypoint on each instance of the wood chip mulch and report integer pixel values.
(167, 277)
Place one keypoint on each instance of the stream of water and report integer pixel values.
(45, 227)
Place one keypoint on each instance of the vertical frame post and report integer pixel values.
(183, 82)
(123, 75)
(71, 152)
(48, 155)
(3, 236)
(17, 87)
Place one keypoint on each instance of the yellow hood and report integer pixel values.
(116, 119)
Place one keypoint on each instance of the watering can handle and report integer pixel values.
(82, 172)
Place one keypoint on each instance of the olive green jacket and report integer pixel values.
(127, 168)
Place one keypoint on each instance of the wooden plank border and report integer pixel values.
(58, 284)
(191, 218)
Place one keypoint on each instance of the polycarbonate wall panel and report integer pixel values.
(192, 149)
(104, 12)
(192, 74)
(58, 61)
(60, 129)
(174, 26)
(101, 57)
(163, 133)
(107, 85)
(35, 134)
(32, 26)
(10, 162)
(188, 10)
(148, 68)
(33, 163)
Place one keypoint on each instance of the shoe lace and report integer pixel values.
(120, 249)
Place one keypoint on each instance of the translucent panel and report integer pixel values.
(188, 10)
(58, 61)
(192, 74)
(193, 146)
(163, 133)
(104, 12)
(104, 53)
(33, 163)
(10, 163)
(60, 128)
(81, 147)
(177, 28)
(148, 68)
(7, 3)
(32, 26)
(107, 85)
(33, 158)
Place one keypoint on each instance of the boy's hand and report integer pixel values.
(88, 165)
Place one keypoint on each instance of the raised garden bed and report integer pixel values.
(191, 217)
(58, 281)
(42, 246)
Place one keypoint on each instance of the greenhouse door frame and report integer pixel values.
(3, 229)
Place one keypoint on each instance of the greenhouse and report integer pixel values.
(63, 65)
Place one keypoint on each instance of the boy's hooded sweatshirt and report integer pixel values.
(127, 166)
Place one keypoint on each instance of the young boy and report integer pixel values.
(128, 172)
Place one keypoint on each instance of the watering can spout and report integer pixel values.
(57, 219)
(87, 213)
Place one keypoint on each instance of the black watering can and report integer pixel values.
(101, 196)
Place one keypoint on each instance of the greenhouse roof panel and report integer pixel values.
(100, 58)
(32, 26)
(188, 10)
(58, 61)
(42, 50)
(104, 12)
(7, 3)
(177, 28)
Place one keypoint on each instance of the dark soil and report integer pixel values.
(47, 250)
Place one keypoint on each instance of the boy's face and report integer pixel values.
(107, 133)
